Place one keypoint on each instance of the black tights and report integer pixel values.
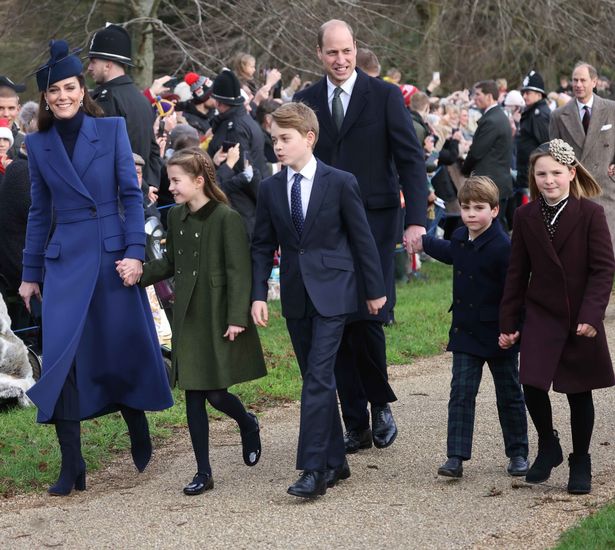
(581, 416)
(198, 423)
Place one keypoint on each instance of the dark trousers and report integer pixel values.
(361, 372)
(316, 340)
(467, 374)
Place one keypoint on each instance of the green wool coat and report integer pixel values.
(207, 252)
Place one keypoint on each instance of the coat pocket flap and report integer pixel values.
(489, 313)
(53, 250)
(338, 262)
(383, 200)
(218, 280)
(115, 243)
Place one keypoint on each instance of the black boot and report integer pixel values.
(549, 456)
(580, 478)
(72, 471)
(140, 441)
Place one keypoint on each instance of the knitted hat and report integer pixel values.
(408, 90)
(6, 81)
(514, 99)
(534, 81)
(163, 107)
(61, 65)
(5, 131)
(194, 81)
(112, 43)
(200, 86)
(226, 88)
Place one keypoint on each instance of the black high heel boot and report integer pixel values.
(140, 441)
(72, 471)
(549, 456)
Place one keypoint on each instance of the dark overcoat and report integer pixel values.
(479, 271)
(560, 284)
(207, 252)
(89, 316)
(378, 145)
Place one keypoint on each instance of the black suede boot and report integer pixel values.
(72, 471)
(580, 477)
(140, 441)
(549, 456)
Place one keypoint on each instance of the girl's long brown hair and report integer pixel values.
(90, 107)
(582, 185)
(197, 162)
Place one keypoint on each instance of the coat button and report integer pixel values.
(196, 253)
(194, 273)
(455, 330)
(180, 251)
(462, 245)
(459, 272)
(179, 270)
(196, 235)
(181, 231)
(471, 305)
(301, 251)
(93, 212)
(458, 301)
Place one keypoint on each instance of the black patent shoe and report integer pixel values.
(453, 467)
(310, 484)
(334, 475)
(251, 443)
(354, 440)
(517, 466)
(384, 429)
(199, 484)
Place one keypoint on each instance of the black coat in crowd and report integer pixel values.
(120, 97)
(199, 121)
(533, 130)
(241, 193)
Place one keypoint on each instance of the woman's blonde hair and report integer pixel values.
(196, 162)
(582, 185)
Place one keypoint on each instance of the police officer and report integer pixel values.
(110, 53)
(533, 127)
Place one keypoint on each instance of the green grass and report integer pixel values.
(29, 454)
(595, 532)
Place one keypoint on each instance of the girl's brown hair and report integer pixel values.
(90, 107)
(196, 162)
(582, 185)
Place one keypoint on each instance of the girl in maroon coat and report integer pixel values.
(557, 289)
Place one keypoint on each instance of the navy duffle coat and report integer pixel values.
(89, 317)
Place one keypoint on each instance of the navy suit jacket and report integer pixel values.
(376, 143)
(479, 272)
(321, 260)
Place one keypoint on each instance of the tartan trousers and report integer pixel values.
(467, 374)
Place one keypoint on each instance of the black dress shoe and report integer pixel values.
(200, 483)
(517, 466)
(384, 429)
(251, 443)
(357, 439)
(309, 485)
(337, 474)
(453, 467)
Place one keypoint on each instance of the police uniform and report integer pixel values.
(533, 127)
(120, 97)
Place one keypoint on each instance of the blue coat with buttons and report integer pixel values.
(479, 271)
(89, 317)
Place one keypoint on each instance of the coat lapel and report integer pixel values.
(572, 121)
(281, 197)
(567, 223)
(358, 100)
(326, 120)
(537, 226)
(85, 148)
(597, 120)
(319, 190)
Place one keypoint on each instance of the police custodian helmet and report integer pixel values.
(112, 43)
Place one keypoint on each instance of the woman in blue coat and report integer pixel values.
(100, 350)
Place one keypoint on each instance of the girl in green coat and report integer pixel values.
(215, 343)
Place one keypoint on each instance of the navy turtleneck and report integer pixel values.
(68, 128)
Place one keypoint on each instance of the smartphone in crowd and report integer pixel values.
(226, 145)
(161, 128)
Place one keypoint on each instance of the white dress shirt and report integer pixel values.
(307, 181)
(347, 88)
(580, 106)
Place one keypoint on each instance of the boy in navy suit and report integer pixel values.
(315, 214)
(479, 253)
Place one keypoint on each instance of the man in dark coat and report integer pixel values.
(491, 151)
(365, 129)
(110, 53)
(534, 125)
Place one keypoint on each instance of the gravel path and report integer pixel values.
(394, 499)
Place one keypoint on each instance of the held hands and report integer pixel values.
(27, 290)
(232, 332)
(260, 313)
(374, 306)
(506, 341)
(583, 329)
(130, 270)
(413, 238)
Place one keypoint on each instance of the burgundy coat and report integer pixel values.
(560, 284)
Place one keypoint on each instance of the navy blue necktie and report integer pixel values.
(296, 209)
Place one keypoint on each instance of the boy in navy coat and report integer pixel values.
(315, 214)
(479, 253)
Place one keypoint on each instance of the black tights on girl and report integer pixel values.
(198, 423)
(581, 416)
